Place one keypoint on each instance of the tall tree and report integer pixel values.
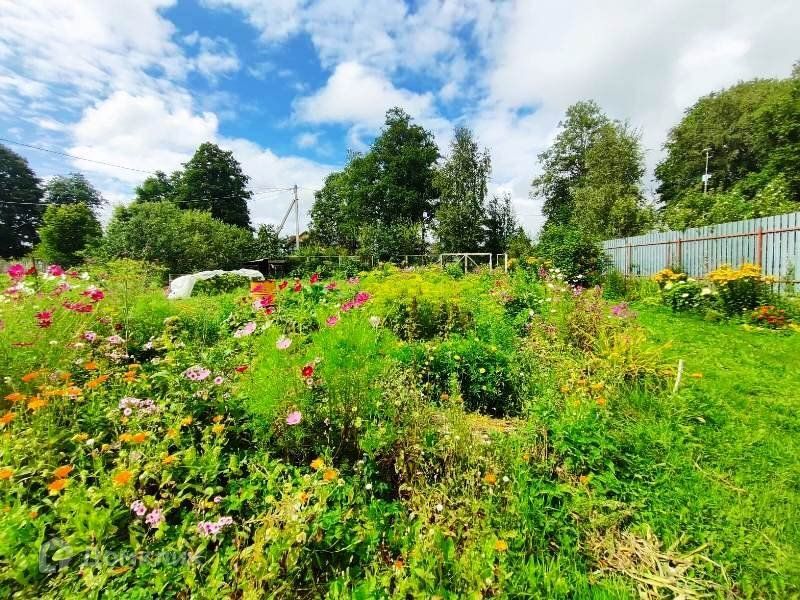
(752, 131)
(564, 163)
(72, 189)
(67, 230)
(20, 204)
(213, 180)
(159, 187)
(391, 184)
(608, 200)
(404, 155)
(500, 224)
(462, 182)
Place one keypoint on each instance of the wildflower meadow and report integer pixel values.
(410, 433)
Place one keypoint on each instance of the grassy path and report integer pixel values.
(733, 477)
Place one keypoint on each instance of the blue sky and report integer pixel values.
(291, 85)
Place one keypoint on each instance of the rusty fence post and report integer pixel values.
(759, 246)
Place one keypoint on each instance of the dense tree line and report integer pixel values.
(402, 197)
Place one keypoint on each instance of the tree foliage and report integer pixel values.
(183, 241)
(67, 230)
(20, 204)
(500, 225)
(391, 184)
(213, 180)
(462, 183)
(752, 131)
(72, 189)
(158, 188)
(591, 175)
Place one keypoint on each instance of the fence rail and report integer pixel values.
(771, 242)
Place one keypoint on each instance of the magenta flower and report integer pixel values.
(95, 294)
(245, 330)
(294, 417)
(332, 320)
(16, 271)
(331, 286)
(283, 343)
(55, 270)
(197, 373)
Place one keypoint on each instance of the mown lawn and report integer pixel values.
(733, 481)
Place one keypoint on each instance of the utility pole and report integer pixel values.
(705, 176)
(297, 220)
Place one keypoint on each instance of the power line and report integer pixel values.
(99, 162)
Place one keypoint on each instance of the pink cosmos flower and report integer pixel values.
(265, 302)
(89, 336)
(283, 343)
(212, 528)
(353, 280)
(155, 518)
(298, 287)
(331, 286)
(294, 417)
(115, 340)
(245, 330)
(138, 507)
(94, 293)
(197, 373)
(332, 320)
(218, 380)
(16, 271)
(55, 270)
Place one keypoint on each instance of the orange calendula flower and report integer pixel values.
(129, 376)
(15, 397)
(169, 459)
(63, 471)
(600, 401)
(501, 545)
(30, 376)
(90, 365)
(138, 438)
(7, 418)
(304, 497)
(64, 375)
(490, 478)
(123, 477)
(57, 485)
(398, 564)
(317, 464)
(6, 473)
(96, 382)
(125, 437)
(37, 403)
(329, 474)
(73, 390)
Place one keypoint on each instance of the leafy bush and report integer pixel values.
(67, 230)
(742, 289)
(687, 295)
(423, 319)
(481, 373)
(183, 241)
(579, 256)
(221, 284)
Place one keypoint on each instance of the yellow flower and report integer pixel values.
(329, 474)
(186, 421)
(317, 464)
(169, 459)
(601, 401)
(80, 437)
(501, 545)
(490, 478)
(37, 403)
(171, 433)
(218, 418)
(6, 473)
(218, 428)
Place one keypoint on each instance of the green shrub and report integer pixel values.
(221, 284)
(689, 295)
(423, 319)
(576, 254)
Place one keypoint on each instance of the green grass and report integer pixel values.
(731, 453)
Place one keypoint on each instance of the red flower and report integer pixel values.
(282, 285)
(31, 271)
(307, 371)
(314, 278)
(79, 307)
(95, 294)
(44, 318)
(241, 368)
(298, 287)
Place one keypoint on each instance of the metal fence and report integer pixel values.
(771, 242)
